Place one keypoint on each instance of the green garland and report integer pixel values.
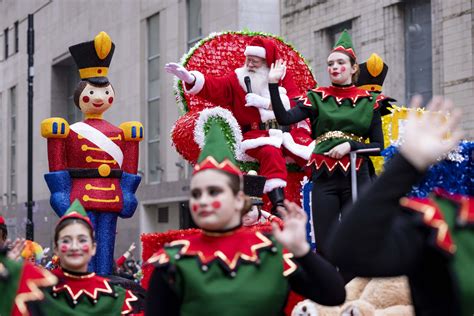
(227, 130)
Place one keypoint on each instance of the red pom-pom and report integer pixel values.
(182, 136)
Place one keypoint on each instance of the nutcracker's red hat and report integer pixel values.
(263, 48)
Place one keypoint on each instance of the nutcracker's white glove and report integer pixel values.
(257, 101)
(180, 72)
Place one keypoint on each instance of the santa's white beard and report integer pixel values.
(258, 79)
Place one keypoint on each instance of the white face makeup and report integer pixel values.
(75, 247)
(212, 203)
(340, 69)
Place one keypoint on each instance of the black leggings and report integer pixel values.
(330, 196)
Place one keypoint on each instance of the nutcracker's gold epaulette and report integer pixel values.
(132, 131)
(54, 127)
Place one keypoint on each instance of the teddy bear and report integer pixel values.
(366, 297)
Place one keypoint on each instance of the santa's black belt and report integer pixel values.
(93, 173)
(271, 124)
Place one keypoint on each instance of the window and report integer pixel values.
(335, 31)
(71, 74)
(5, 37)
(64, 79)
(155, 170)
(324, 40)
(16, 37)
(163, 215)
(193, 8)
(12, 141)
(418, 49)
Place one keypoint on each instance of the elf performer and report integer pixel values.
(22, 286)
(229, 269)
(263, 139)
(79, 291)
(93, 160)
(342, 117)
(431, 239)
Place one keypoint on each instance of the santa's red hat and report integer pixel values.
(262, 47)
(2, 220)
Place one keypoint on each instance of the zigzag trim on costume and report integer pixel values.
(127, 306)
(465, 212)
(41, 278)
(433, 218)
(288, 265)
(326, 92)
(344, 163)
(229, 264)
(102, 286)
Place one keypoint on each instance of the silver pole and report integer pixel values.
(353, 158)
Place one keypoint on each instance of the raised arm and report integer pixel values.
(376, 238)
(284, 117)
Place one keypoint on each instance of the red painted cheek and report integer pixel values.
(64, 248)
(194, 207)
(216, 204)
(343, 69)
(85, 248)
(111, 100)
(85, 99)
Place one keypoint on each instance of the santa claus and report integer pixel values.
(245, 92)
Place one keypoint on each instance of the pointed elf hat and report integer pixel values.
(344, 44)
(216, 153)
(76, 210)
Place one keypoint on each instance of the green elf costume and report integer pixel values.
(338, 114)
(234, 272)
(85, 293)
(21, 285)
(431, 240)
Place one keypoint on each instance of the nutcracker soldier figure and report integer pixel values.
(94, 161)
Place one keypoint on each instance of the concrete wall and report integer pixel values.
(378, 26)
(60, 24)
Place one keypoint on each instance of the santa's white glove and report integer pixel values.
(180, 72)
(257, 101)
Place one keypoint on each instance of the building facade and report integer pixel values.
(147, 34)
(428, 45)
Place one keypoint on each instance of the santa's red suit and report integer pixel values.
(269, 147)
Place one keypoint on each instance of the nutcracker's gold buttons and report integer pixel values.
(104, 170)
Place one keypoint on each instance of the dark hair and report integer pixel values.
(4, 231)
(82, 85)
(69, 221)
(355, 76)
(235, 185)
